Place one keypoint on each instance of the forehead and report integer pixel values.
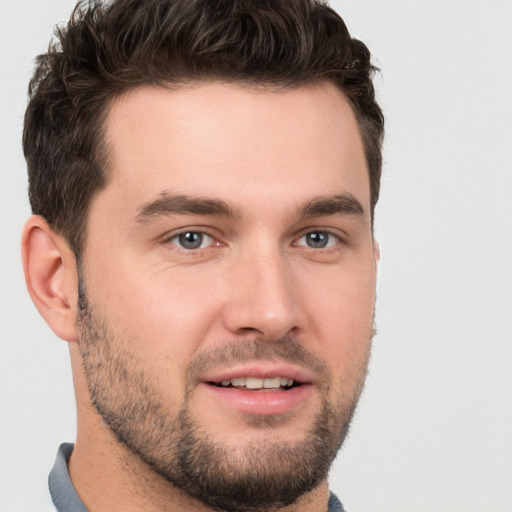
(225, 139)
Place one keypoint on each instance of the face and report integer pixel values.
(228, 287)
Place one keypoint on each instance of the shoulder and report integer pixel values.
(335, 504)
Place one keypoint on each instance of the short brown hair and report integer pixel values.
(108, 48)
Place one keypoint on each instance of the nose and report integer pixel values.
(262, 298)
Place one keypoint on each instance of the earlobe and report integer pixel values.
(50, 275)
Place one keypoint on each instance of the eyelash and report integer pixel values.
(202, 233)
(332, 239)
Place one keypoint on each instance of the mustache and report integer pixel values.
(287, 349)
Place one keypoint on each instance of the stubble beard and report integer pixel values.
(254, 477)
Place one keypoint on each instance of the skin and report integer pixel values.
(265, 155)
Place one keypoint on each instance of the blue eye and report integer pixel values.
(318, 240)
(192, 240)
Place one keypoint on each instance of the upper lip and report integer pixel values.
(262, 370)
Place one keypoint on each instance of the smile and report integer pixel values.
(260, 388)
(257, 384)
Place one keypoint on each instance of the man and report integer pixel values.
(203, 177)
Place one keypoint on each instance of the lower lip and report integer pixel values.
(261, 402)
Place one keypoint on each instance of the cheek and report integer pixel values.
(164, 317)
(341, 316)
(175, 317)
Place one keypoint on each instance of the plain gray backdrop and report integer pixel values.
(434, 428)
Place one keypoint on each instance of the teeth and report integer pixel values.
(257, 383)
(253, 383)
(272, 383)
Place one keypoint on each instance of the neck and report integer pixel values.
(119, 482)
(108, 477)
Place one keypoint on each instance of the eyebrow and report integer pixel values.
(168, 204)
(345, 204)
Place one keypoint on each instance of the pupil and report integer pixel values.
(191, 240)
(317, 239)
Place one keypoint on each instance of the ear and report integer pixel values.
(51, 276)
(376, 252)
(376, 257)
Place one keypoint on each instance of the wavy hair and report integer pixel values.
(108, 48)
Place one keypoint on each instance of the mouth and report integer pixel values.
(255, 384)
(259, 389)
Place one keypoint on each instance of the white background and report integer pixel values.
(434, 429)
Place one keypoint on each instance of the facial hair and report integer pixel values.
(255, 477)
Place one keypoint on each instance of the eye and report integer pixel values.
(191, 240)
(318, 240)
